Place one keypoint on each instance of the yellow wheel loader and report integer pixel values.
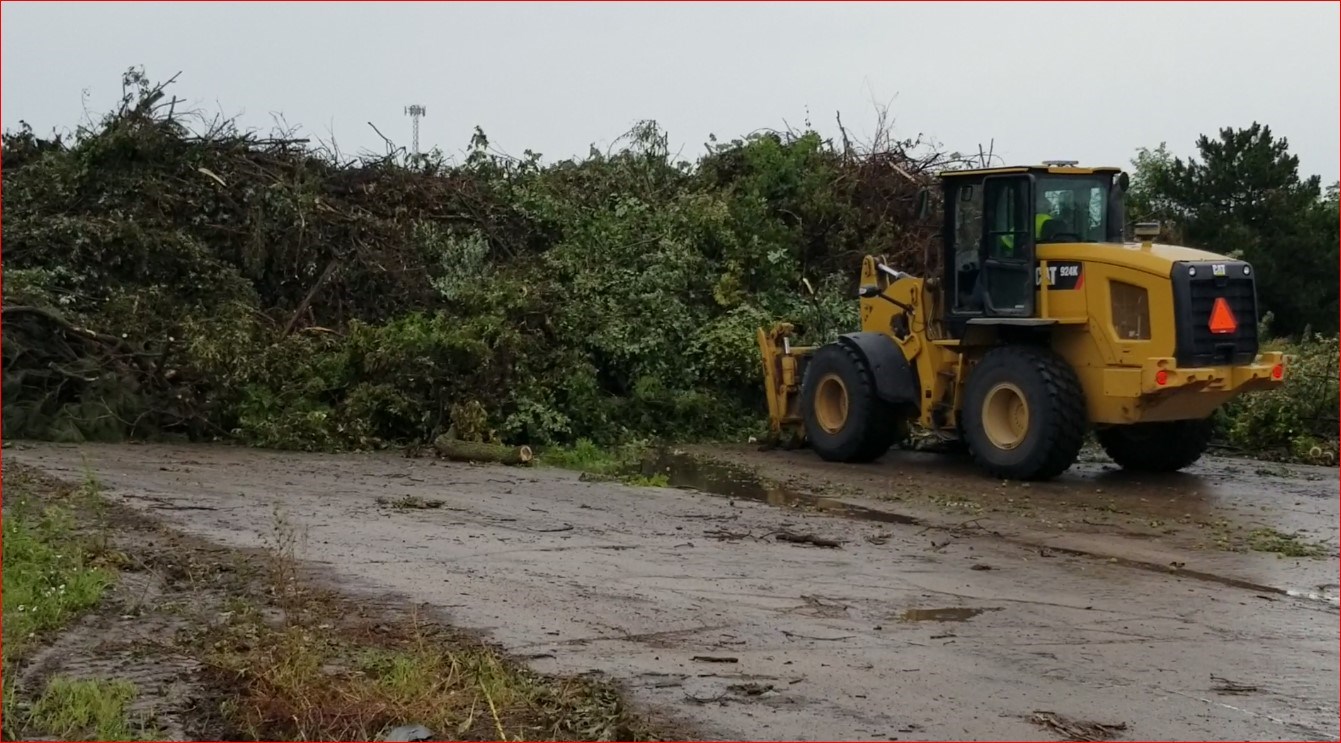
(1043, 325)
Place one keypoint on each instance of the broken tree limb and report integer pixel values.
(787, 536)
(1077, 730)
(311, 293)
(478, 451)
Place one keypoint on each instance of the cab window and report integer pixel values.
(1072, 209)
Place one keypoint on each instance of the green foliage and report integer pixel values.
(1299, 421)
(1147, 199)
(217, 284)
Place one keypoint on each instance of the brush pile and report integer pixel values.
(166, 280)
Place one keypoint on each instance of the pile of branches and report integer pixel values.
(170, 278)
(154, 203)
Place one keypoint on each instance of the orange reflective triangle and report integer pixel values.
(1222, 318)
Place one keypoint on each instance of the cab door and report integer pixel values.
(1008, 246)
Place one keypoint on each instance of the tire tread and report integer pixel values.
(1065, 429)
(881, 425)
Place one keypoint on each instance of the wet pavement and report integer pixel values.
(929, 615)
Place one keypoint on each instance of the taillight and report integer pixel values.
(1161, 377)
(1278, 372)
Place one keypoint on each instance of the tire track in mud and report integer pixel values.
(736, 474)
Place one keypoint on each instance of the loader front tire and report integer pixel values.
(845, 421)
(1156, 447)
(1024, 413)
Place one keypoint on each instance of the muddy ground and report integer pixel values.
(952, 606)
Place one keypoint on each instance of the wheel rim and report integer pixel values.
(1005, 416)
(831, 403)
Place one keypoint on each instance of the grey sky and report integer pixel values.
(1089, 81)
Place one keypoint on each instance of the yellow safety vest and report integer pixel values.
(1009, 240)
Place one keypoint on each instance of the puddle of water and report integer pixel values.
(948, 614)
(715, 478)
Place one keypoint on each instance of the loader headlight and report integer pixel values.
(1131, 311)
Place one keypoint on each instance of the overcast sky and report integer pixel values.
(1084, 81)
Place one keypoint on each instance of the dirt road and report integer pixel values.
(936, 617)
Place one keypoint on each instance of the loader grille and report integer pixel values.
(1196, 288)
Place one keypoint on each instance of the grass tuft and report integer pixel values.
(89, 709)
(622, 464)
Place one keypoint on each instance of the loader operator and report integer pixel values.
(968, 289)
(1042, 210)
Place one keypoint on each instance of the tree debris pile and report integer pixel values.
(165, 280)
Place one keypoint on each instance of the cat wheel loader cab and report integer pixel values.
(1043, 324)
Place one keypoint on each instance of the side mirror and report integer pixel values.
(1123, 181)
(923, 205)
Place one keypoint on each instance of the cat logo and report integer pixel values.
(1218, 269)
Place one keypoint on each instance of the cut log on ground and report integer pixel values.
(477, 451)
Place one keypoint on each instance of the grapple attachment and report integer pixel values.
(784, 368)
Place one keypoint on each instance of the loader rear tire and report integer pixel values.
(845, 421)
(1156, 447)
(1024, 414)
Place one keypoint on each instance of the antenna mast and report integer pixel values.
(415, 112)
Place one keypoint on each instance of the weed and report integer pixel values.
(281, 563)
(89, 709)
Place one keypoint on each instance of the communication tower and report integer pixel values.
(415, 112)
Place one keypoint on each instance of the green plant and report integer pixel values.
(89, 709)
(1298, 421)
(48, 575)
